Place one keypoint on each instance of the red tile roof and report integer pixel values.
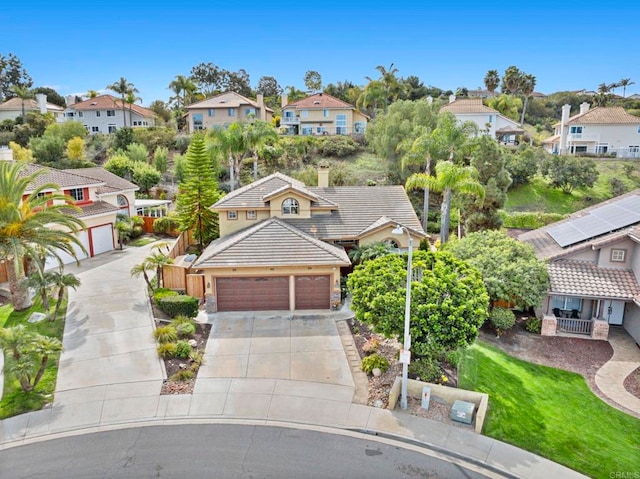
(320, 101)
(108, 102)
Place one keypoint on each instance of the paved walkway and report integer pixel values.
(610, 377)
(110, 377)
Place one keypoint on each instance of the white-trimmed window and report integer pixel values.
(231, 111)
(112, 128)
(77, 194)
(307, 130)
(98, 113)
(341, 124)
(111, 113)
(211, 112)
(325, 113)
(80, 114)
(290, 206)
(618, 255)
(634, 148)
(232, 215)
(304, 113)
(251, 214)
(566, 303)
(95, 129)
(250, 111)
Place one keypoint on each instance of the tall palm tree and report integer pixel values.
(449, 178)
(231, 143)
(373, 97)
(511, 80)
(63, 281)
(122, 87)
(624, 83)
(158, 260)
(92, 93)
(184, 88)
(24, 94)
(32, 219)
(131, 99)
(390, 84)
(492, 81)
(527, 86)
(257, 134)
(141, 269)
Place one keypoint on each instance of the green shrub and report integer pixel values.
(426, 368)
(528, 220)
(165, 224)
(454, 357)
(163, 293)
(502, 319)
(180, 304)
(185, 330)
(183, 349)
(533, 325)
(337, 146)
(369, 363)
(183, 375)
(197, 358)
(165, 334)
(166, 350)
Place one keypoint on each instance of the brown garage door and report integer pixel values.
(312, 292)
(253, 294)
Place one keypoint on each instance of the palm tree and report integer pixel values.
(123, 87)
(141, 269)
(32, 219)
(390, 84)
(33, 358)
(527, 86)
(131, 99)
(63, 282)
(14, 338)
(373, 97)
(511, 80)
(492, 81)
(604, 94)
(157, 261)
(624, 83)
(231, 143)
(184, 88)
(42, 284)
(92, 93)
(257, 134)
(449, 178)
(24, 94)
(360, 254)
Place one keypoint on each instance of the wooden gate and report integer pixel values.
(195, 285)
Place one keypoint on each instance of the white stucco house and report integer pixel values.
(489, 121)
(104, 114)
(600, 130)
(12, 108)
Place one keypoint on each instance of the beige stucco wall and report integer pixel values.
(275, 203)
(315, 117)
(387, 234)
(228, 226)
(604, 259)
(221, 116)
(632, 321)
(584, 255)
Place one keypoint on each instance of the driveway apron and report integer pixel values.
(108, 336)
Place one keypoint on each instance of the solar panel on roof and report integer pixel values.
(601, 220)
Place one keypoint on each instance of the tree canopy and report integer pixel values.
(569, 172)
(448, 299)
(509, 268)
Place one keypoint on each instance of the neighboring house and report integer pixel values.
(601, 130)
(222, 110)
(635, 96)
(489, 121)
(103, 114)
(321, 114)
(282, 244)
(12, 108)
(593, 261)
(101, 197)
(479, 93)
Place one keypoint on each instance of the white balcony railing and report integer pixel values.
(289, 120)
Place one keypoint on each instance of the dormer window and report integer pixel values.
(77, 194)
(290, 206)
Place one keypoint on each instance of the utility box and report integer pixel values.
(462, 411)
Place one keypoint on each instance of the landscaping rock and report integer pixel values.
(193, 343)
(36, 317)
(378, 403)
(377, 372)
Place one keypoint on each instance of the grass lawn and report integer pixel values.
(552, 413)
(143, 240)
(537, 196)
(14, 400)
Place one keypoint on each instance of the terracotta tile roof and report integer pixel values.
(15, 104)
(62, 178)
(271, 242)
(383, 222)
(468, 105)
(112, 183)
(319, 101)
(605, 116)
(551, 139)
(229, 99)
(108, 102)
(97, 208)
(586, 279)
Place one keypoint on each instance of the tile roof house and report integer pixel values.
(12, 108)
(105, 114)
(489, 121)
(321, 114)
(101, 197)
(282, 244)
(601, 130)
(594, 265)
(222, 110)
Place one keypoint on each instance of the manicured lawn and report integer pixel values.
(14, 400)
(143, 240)
(537, 196)
(552, 413)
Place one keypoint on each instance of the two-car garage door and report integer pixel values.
(272, 293)
(96, 240)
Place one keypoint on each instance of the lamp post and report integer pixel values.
(405, 355)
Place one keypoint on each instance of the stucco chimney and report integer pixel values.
(452, 98)
(41, 100)
(70, 99)
(323, 176)
(284, 100)
(564, 119)
(262, 114)
(429, 99)
(6, 153)
(584, 107)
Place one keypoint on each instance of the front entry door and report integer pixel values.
(617, 312)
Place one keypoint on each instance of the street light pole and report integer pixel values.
(406, 345)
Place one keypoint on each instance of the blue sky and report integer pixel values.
(77, 46)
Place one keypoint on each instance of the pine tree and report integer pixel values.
(197, 193)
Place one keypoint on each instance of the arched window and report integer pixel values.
(290, 207)
(391, 243)
(123, 204)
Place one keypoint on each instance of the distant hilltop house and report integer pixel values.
(104, 114)
(12, 108)
(222, 110)
(597, 131)
(490, 122)
(321, 114)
